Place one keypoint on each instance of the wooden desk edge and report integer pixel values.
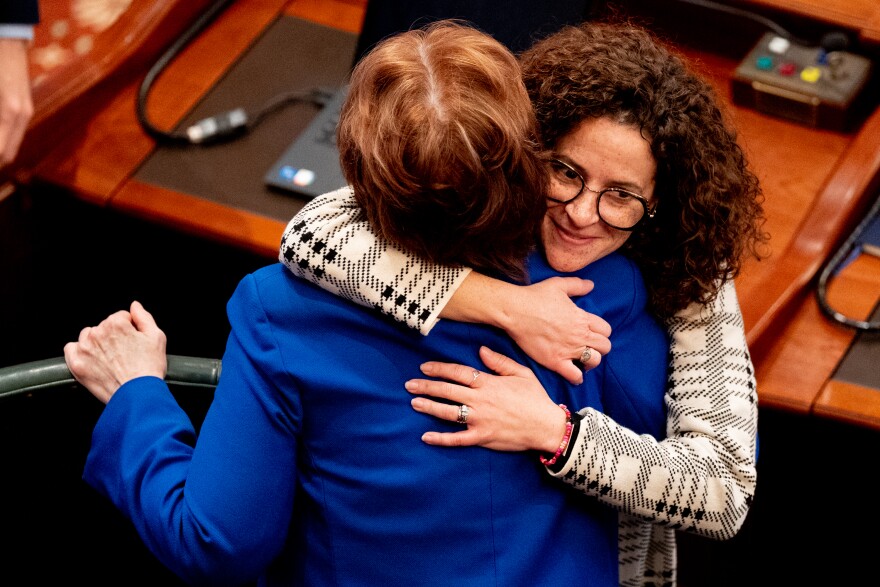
(850, 403)
(793, 373)
(838, 208)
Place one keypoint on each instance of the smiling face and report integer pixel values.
(606, 154)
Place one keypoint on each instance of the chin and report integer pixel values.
(566, 263)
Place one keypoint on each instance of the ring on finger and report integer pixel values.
(474, 378)
(585, 356)
(463, 412)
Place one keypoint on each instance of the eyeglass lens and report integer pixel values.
(617, 208)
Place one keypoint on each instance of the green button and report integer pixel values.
(764, 63)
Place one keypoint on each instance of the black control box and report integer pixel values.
(811, 85)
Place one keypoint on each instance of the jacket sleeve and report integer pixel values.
(701, 477)
(215, 512)
(331, 243)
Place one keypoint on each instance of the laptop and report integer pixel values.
(310, 166)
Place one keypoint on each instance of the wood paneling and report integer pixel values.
(849, 403)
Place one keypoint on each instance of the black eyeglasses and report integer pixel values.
(617, 207)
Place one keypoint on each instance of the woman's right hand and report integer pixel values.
(552, 329)
(124, 346)
(541, 318)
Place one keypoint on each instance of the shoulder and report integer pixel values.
(266, 279)
(615, 270)
(273, 290)
(619, 293)
(273, 297)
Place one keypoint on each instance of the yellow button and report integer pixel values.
(811, 74)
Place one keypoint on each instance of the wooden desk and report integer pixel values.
(862, 16)
(796, 371)
(97, 166)
(815, 183)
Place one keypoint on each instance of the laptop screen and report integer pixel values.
(310, 167)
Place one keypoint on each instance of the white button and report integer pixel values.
(778, 45)
(304, 177)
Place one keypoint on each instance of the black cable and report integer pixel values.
(747, 14)
(318, 96)
(219, 127)
(832, 266)
(197, 27)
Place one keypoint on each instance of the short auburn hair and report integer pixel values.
(437, 138)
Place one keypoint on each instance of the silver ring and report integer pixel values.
(476, 374)
(585, 356)
(463, 412)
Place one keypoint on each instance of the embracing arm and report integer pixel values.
(330, 243)
(702, 477)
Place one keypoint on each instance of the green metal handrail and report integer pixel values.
(26, 378)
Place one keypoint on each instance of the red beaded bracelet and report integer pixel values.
(565, 438)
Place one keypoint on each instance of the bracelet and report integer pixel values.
(565, 438)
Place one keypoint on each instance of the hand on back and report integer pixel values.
(510, 411)
(553, 330)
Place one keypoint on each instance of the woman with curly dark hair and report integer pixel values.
(642, 161)
(707, 217)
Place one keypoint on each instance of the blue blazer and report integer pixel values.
(309, 468)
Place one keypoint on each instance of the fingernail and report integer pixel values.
(427, 368)
(411, 385)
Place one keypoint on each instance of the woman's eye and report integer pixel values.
(620, 195)
(563, 171)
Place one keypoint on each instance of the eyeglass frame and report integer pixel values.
(649, 212)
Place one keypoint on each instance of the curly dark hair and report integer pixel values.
(710, 213)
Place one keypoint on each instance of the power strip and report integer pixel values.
(809, 85)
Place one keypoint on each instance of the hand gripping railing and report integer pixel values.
(26, 378)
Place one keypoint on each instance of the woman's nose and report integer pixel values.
(583, 210)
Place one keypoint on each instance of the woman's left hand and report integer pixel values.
(510, 411)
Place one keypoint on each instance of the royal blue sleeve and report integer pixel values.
(215, 511)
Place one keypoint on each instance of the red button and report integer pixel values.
(786, 69)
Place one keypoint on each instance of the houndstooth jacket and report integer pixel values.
(700, 479)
